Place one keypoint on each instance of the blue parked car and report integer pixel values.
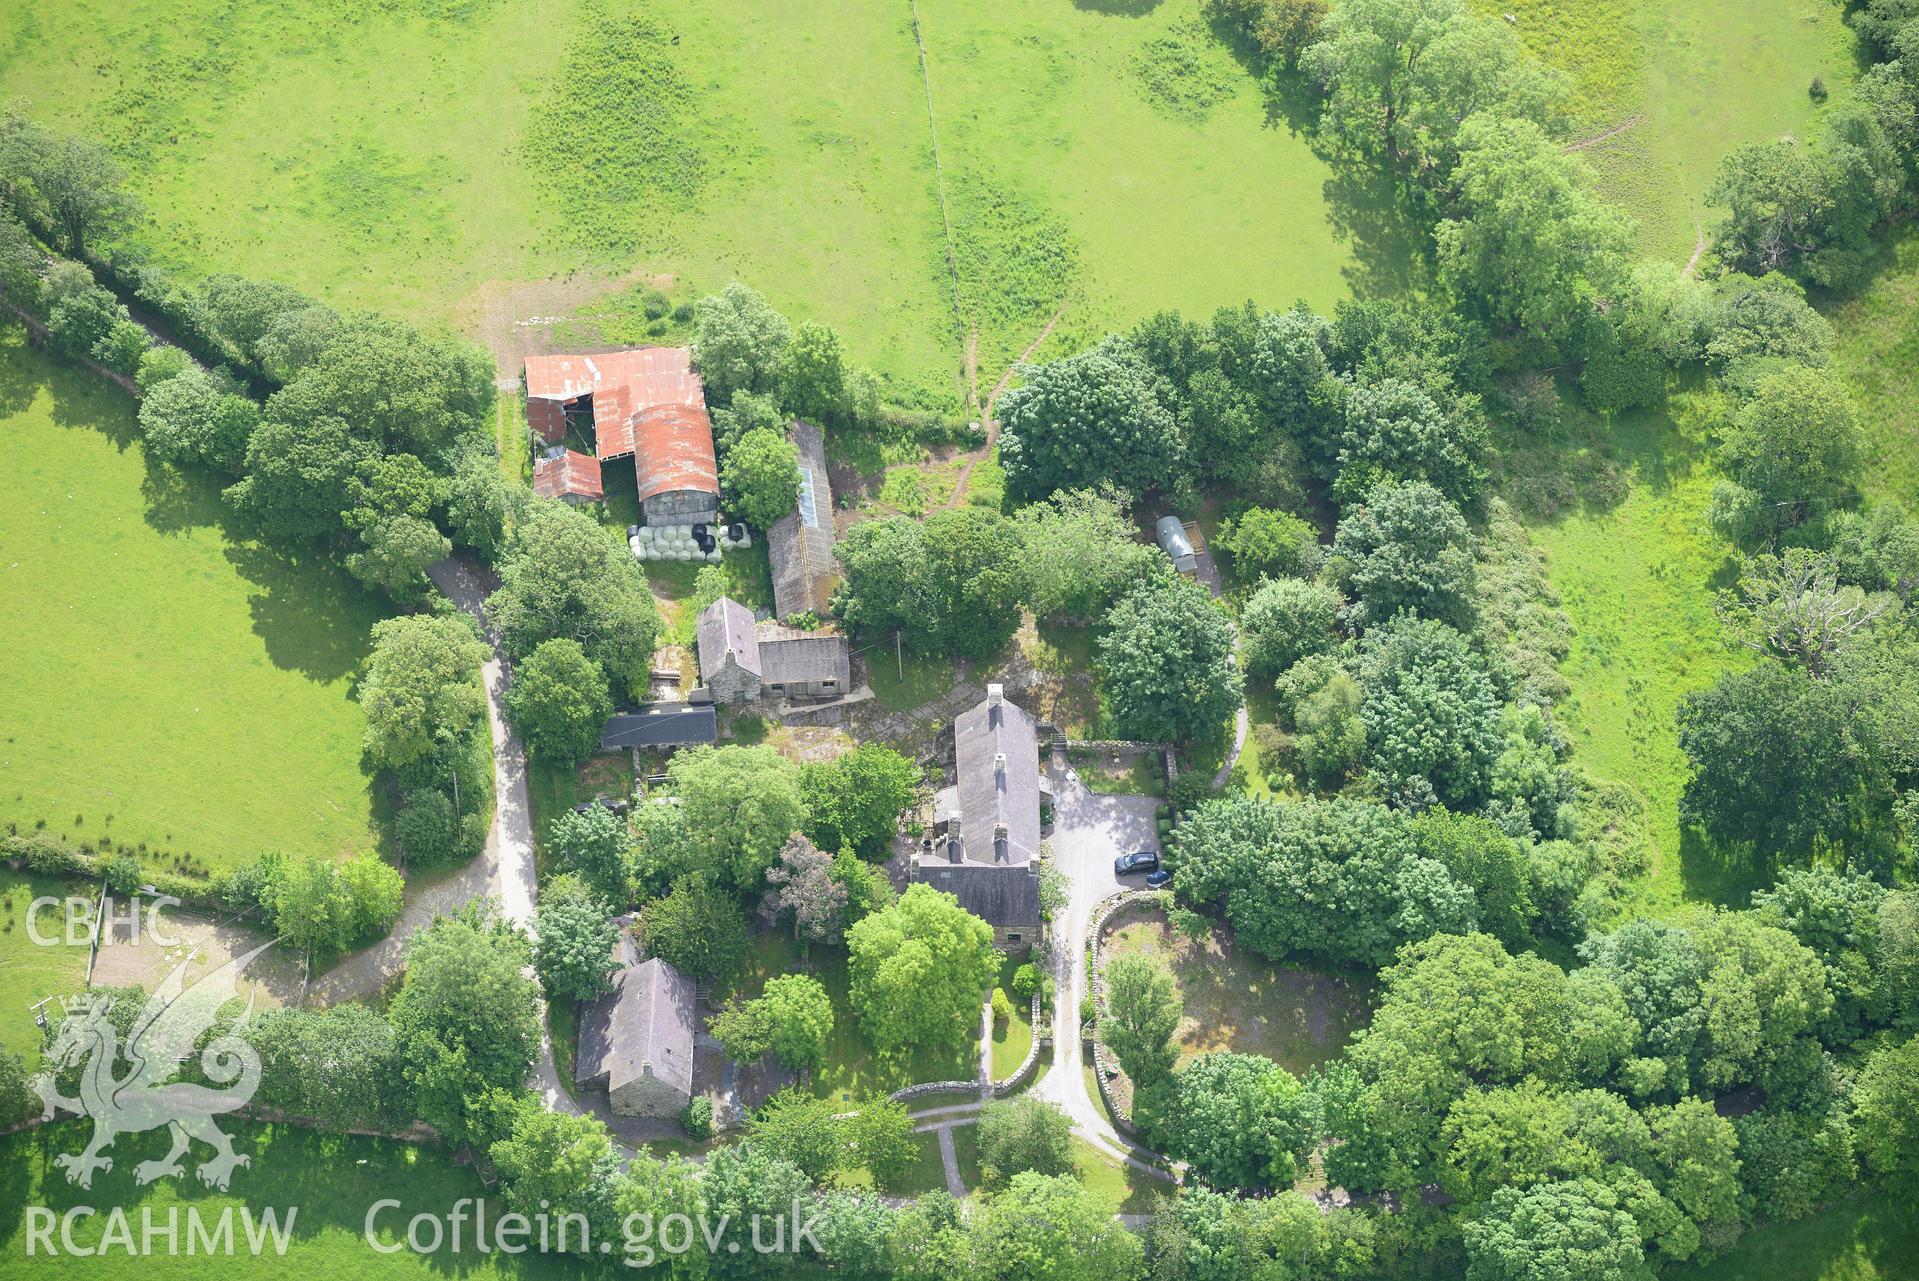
(1158, 880)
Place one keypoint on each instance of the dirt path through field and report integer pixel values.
(1605, 136)
(988, 421)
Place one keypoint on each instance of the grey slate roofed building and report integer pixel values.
(661, 725)
(799, 545)
(986, 844)
(637, 1041)
(805, 663)
(729, 651)
(1006, 899)
(996, 746)
(742, 661)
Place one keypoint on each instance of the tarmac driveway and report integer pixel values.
(1090, 830)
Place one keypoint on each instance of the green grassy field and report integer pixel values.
(28, 971)
(326, 1182)
(166, 683)
(1689, 83)
(1878, 353)
(1869, 1242)
(1013, 1038)
(691, 142)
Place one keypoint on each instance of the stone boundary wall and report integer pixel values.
(1103, 914)
(1112, 745)
(1030, 1064)
(1168, 754)
(925, 1088)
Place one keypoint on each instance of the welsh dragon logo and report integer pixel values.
(147, 1097)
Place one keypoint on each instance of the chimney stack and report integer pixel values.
(996, 694)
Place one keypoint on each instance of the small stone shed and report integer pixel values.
(743, 661)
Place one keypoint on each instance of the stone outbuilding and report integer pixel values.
(636, 1042)
(799, 545)
(743, 661)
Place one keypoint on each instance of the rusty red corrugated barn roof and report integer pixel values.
(571, 473)
(647, 402)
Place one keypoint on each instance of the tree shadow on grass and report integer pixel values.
(313, 618)
(1589, 464)
(1118, 8)
(1711, 874)
(1371, 216)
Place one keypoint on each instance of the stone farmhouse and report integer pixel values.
(743, 661)
(985, 848)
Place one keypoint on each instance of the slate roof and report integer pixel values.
(570, 473)
(647, 1019)
(661, 725)
(800, 544)
(788, 654)
(648, 403)
(726, 625)
(1001, 896)
(989, 796)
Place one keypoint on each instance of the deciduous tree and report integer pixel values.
(1143, 1011)
(574, 950)
(855, 800)
(740, 805)
(563, 576)
(738, 342)
(950, 585)
(1087, 421)
(1166, 662)
(559, 701)
(920, 968)
(1023, 1134)
(422, 687)
(761, 476)
(1407, 548)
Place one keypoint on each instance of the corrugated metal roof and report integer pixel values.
(673, 450)
(647, 402)
(570, 473)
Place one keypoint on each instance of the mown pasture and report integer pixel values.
(168, 684)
